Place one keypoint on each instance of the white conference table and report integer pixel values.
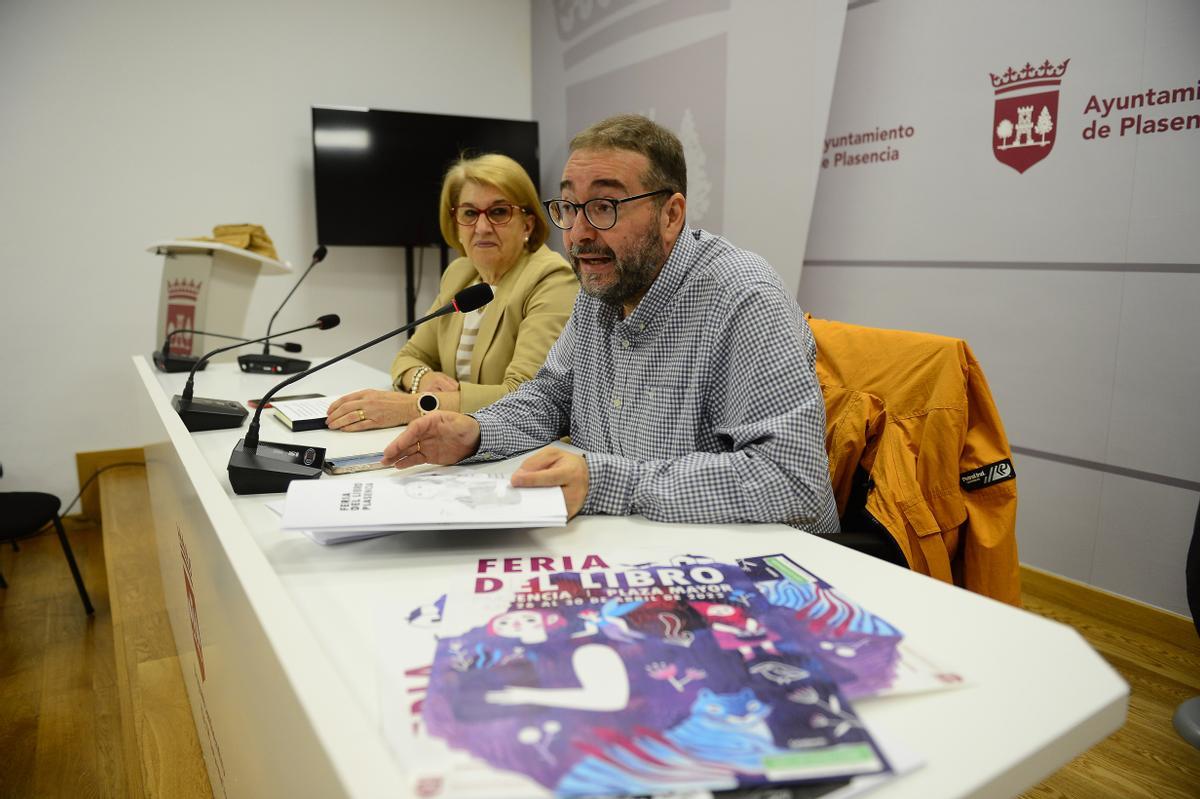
(278, 640)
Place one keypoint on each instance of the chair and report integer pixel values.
(918, 454)
(24, 513)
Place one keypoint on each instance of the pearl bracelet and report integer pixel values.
(416, 381)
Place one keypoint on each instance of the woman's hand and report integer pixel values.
(371, 409)
(437, 381)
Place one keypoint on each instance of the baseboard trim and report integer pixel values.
(1168, 625)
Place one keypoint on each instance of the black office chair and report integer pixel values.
(24, 513)
(1187, 716)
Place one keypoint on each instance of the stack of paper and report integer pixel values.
(331, 511)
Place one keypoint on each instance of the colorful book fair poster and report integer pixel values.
(663, 678)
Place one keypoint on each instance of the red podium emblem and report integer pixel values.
(181, 313)
(1026, 115)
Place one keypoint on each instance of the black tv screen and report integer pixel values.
(378, 174)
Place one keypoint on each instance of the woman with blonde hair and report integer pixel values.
(491, 215)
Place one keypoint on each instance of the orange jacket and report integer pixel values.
(914, 410)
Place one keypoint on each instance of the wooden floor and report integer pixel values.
(1158, 654)
(59, 713)
(59, 722)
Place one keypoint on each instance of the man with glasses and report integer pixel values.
(685, 372)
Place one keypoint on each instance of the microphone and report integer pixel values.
(269, 467)
(200, 413)
(278, 364)
(166, 362)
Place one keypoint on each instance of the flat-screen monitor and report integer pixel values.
(378, 174)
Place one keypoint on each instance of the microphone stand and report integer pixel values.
(201, 413)
(268, 467)
(166, 362)
(267, 363)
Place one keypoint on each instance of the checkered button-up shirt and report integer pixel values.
(701, 406)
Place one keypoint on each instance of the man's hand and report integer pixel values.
(556, 467)
(439, 437)
(378, 409)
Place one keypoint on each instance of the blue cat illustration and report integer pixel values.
(724, 735)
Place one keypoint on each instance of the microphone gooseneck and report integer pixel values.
(465, 301)
(317, 257)
(186, 395)
(166, 347)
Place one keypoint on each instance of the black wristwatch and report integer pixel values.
(427, 403)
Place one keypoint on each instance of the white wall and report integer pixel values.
(1076, 282)
(745, 85)
(124, 123)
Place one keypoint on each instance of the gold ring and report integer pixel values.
(362, 415)
(418, 445)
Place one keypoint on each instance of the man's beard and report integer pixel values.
(633, 274)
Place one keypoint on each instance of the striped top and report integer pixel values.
(466, 344)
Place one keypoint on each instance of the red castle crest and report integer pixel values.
(181, 313)
(1026, 116)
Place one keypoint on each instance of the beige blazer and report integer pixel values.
(531, 306)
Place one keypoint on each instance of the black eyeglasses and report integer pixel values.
(600, 212)
(499, 214)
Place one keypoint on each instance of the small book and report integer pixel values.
(303, 414)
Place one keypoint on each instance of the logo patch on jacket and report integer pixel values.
(988, 475)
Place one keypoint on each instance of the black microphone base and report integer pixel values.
(272, 364)
(199, 413)
(177, 363)
(270, 468)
